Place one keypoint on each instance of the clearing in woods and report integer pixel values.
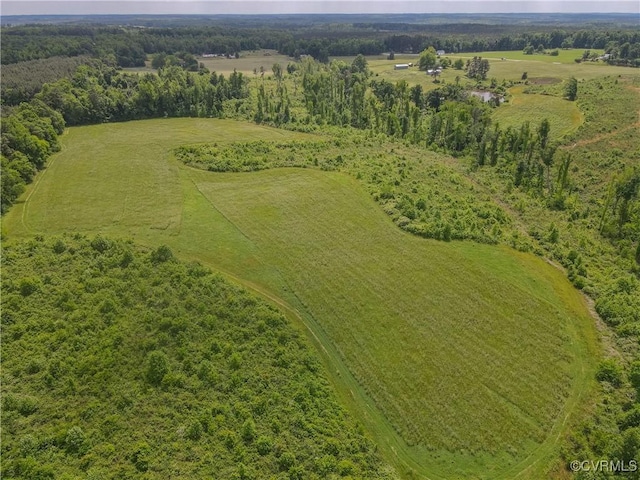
(463, 360)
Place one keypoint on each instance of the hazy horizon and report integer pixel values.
(265, 7)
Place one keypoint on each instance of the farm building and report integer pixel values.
(440, 53)
(401, 66)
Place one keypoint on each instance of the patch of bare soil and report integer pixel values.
(544, 80)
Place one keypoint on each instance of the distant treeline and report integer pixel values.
(129, 46)
(21, 81)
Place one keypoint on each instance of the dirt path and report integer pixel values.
(603, 136)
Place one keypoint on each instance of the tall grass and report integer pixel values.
(462, 359)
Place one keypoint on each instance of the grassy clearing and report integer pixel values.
(468, 358)
(423, 326)
(117, 177)
(564, 116)
(510, 69)
(247, 62)
(567, 56)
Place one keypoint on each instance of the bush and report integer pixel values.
(346, 467)
(140, 457)
(59, 246)
(157, 367)
(23, 405)
(634, 375)
(248, 430)
(74, 440)
(194, 432)
(100, 244)
(29, 286)
(161, 254)
(264, 445)
(235, 361)
(610, 371)
(286, 461)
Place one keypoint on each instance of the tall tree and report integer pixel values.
(428, 58)
(571, 89)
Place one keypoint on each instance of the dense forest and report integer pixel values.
(594, 238)
(129, 46)
(131, 351)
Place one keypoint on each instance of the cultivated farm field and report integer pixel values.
(463, 360)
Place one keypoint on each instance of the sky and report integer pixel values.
(102, 7)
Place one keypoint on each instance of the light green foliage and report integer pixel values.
(610, 371)
(90, 406)
(303, 236)
(571, 89)
(157, 367)
(634, 375)
(392, 173)
(564, 117)
(427, 59)
(603, 267)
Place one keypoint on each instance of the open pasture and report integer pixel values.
(564, 116)
(248, 61)
(511, 68)
(565, 56)
(463, 360)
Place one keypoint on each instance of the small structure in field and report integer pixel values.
(401, 66)
(440, 52)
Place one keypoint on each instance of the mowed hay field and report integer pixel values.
(564, 116)
(453, 342)
(463, 360)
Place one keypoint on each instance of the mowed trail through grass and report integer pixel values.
(454, 342)
(564, 116)
(117, 178)
(463, 360)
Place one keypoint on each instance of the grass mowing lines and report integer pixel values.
(116, 178)
(424, 326)
(564, 116)
(443, 322)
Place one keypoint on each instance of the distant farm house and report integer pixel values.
(440, 52)
(209, 55)
(401, 66)
(434, 71)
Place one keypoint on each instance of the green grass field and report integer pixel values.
(511, 68)
(248, 61)
(564, 116)
(463, 360)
